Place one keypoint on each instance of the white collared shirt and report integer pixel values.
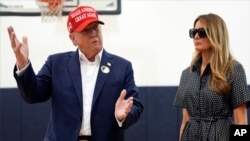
(89, 71)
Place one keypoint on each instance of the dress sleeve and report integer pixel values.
(239, 89)
(179, 97)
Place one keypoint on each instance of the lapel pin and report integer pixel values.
(109, 64)
(105, 69)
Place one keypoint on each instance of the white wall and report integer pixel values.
(153, 34)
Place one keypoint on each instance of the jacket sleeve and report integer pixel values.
(33, 89)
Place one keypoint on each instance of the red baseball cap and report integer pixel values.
(80, 17)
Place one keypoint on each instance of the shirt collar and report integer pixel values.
(98, 57)
(197, 67)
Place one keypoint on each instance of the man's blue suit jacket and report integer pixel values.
(60, 80)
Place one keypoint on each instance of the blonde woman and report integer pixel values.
(213, 92)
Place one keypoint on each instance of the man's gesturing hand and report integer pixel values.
(20, 49)
(123, 106)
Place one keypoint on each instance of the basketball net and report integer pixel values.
(51, 10)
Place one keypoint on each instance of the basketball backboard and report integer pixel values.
(30, 8)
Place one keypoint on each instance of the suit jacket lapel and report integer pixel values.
(104, 70)
(75, 74)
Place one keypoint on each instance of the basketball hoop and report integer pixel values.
(51, 10)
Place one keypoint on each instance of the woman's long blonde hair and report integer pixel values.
(221, 61)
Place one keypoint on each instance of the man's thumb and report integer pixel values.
(25, 40)
(123, 94)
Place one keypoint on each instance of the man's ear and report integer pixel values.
(72, 37)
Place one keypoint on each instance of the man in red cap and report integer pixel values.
(93, 93)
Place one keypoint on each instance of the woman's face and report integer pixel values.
(201, 44)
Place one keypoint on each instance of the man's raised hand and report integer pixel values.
(20, 49)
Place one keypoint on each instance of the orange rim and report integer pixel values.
(52, 4)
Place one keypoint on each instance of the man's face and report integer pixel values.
(89, 40)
